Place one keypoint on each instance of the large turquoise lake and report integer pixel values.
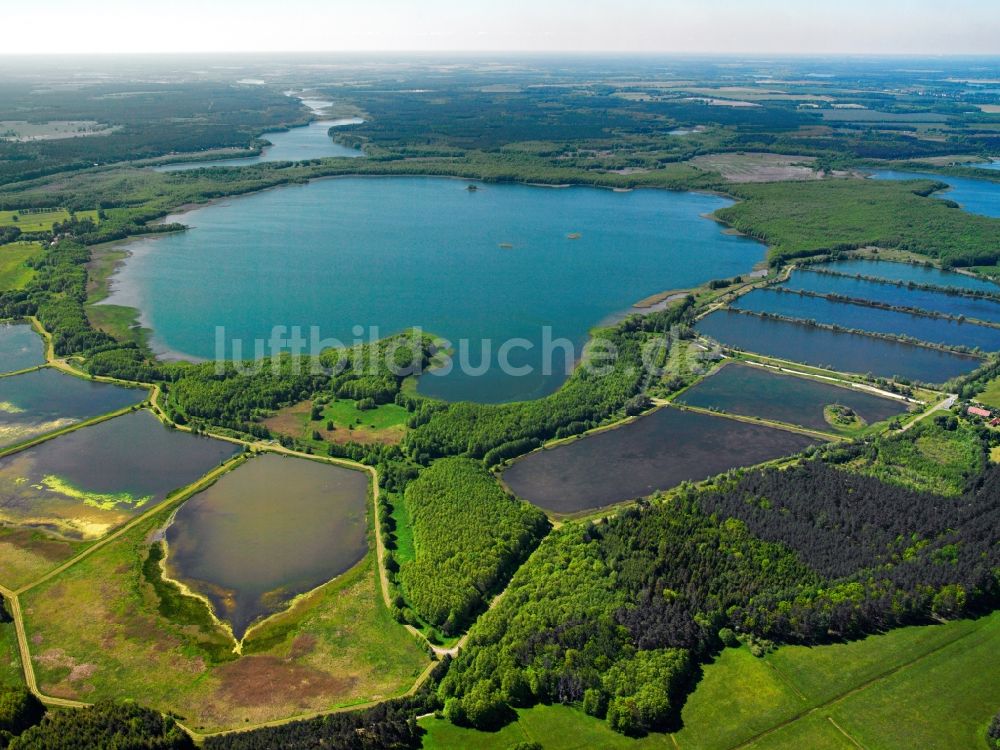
(498, 263)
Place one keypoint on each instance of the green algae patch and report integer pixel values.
(101, 500)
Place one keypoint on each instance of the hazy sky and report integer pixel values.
(794, 26)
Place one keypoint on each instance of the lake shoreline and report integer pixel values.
(123, 291)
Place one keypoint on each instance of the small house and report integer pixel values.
(976, 411)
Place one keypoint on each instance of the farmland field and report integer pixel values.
(991, 396)
(14, 273)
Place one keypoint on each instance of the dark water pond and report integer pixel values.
(37, 402)
(271, 529)
(82, 484)
(844, 352)
(20, 347)
(922, 328)
(952, 304)
(656, 452)
(756, 392)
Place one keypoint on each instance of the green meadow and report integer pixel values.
(933, 686)
(14, 273)
(41, 220)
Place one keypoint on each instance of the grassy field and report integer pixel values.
(992, 271)
(931, 686)
(943, 700)
(119, 321)
(41, 221)
(14, 274)
(383, 424)
(97, 632)
(345, 411)
(991, 396)
(554, 727)
(403, 531)
(753, 167)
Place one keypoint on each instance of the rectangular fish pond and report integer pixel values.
(34, 403)
(271, 529)
(919, 274)
(757, 392)
(837, 350)
(978, 308)
(20, 347)
(860, 317)
(83, 484)
(655, 452)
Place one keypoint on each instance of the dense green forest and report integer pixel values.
(801, 219)
(469, 537)
(615, 616)
(105, 725)
(19, 710)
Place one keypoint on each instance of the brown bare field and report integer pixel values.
(740, 167)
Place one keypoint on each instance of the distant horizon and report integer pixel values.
(720, 54)
(755, 27)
